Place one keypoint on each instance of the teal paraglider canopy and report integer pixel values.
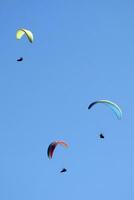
(113, 106)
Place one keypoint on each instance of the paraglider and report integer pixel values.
(63, 170)
(116, 109)
(20, 59)
(101, 136)
(52, 147)
(22, 31)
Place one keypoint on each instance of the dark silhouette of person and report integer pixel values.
(63, 170)
(19, 59)
(101, 136)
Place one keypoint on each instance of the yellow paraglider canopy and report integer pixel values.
(22, 31)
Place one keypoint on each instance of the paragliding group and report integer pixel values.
(113, 106)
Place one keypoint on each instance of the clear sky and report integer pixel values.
(83, 51)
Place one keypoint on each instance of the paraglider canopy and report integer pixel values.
(52, 147)
(114, 107)
(22, 31)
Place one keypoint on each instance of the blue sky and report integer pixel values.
(83, 51)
